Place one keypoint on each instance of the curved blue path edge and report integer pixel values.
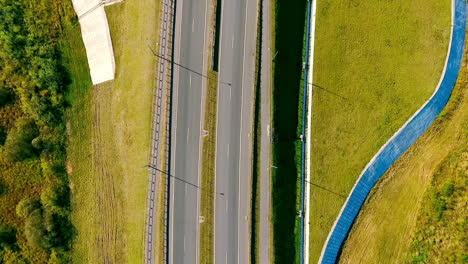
(401, 141)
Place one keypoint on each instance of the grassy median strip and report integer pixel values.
(208, 178)
(372, 71)
(414, 213)
(208, 172)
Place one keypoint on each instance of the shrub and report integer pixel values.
(26, 206)
(3, 188)
(438, 205)
(37, 143)
(18, 142)
(7, 237)
(34, 230)
(59, 257)
(13, 257)
(5, 96)
(447, 189)
(60, 231)
(3, 135)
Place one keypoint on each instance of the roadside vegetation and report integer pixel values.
(372, 71)
(208, 178)
(288, 40)
(110, 136)
(208, 171)
(417, 212)
(256, 148)
(35, 208)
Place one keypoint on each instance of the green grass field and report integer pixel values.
(397, 223)
(376, 62)
(110, 126)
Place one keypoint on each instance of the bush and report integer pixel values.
(3, 188)
(7, 237)
(60, 231)
(5, 97)
(13, 257)
(35, 231)
(3, 136)
(18, 145)
(26, 206)
(438, 205)
(56, 198)
(59, 257)
(447, 189)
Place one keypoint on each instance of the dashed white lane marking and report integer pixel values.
(188, 134)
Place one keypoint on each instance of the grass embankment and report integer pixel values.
(407, 217)
(373, 56)
(110, 140)
(289, 31)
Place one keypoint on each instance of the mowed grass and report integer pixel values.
(208, 171)
(110, 129)
(376, 62)
(386, 225)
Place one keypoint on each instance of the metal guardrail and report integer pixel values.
(304, 122)
(162, 98)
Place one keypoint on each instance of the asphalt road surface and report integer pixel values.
(190, 51)
(264, 242)
(234, 127)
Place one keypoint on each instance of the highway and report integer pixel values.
(188, 101)
(238, 37)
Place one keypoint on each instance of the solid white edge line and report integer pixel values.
(177, 47)
(394, 135)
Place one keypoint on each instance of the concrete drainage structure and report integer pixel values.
(96, 38)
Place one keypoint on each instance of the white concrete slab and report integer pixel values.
(96, 38)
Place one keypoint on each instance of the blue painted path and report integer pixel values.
(401, 141)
